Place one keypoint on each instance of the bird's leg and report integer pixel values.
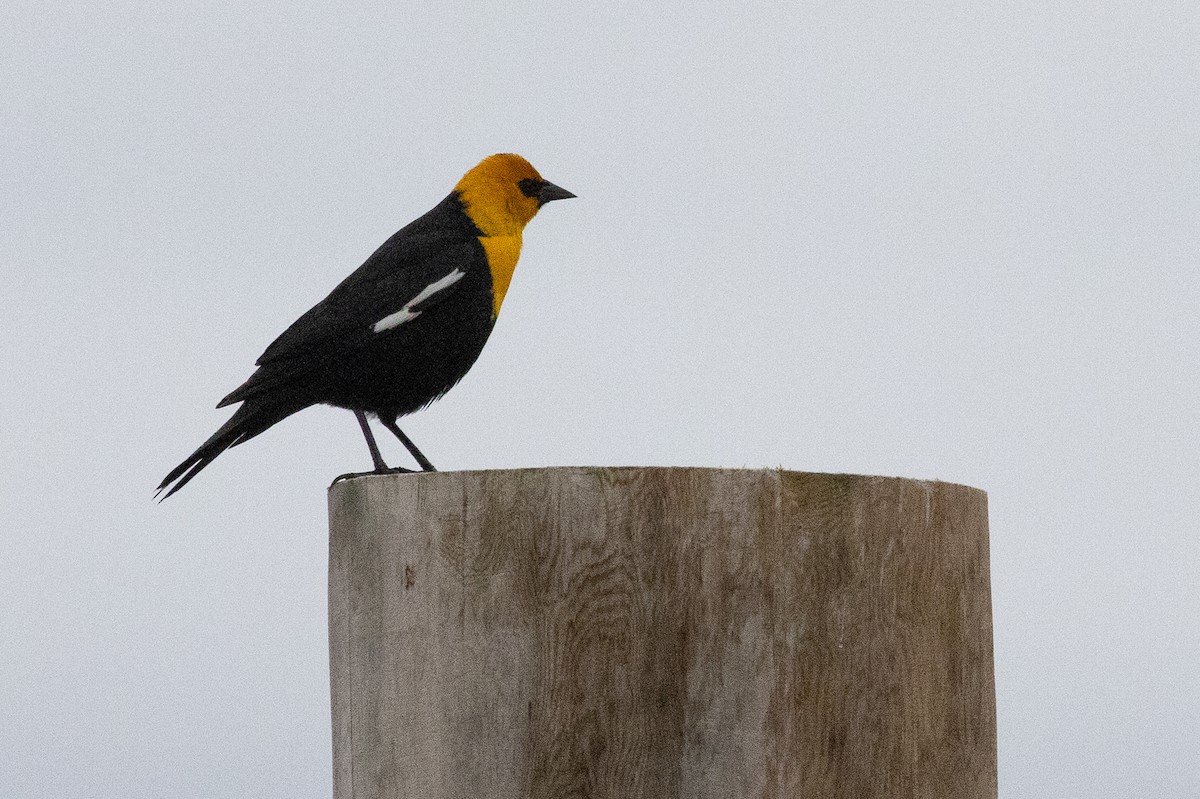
(380, 466)
(390, 424)
(376, 458)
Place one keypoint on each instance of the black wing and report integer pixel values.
(399, 272)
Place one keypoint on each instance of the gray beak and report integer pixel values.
(549, 192)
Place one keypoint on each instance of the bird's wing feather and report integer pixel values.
(409, 270)
(413, 272)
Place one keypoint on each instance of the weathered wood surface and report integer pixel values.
(660, 633)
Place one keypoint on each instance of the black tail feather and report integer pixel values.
(246, 423)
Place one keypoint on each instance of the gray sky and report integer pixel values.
(913, 239)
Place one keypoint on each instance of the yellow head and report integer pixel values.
(503, 192)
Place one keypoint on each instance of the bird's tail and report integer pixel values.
(249, 420)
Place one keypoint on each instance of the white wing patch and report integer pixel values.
(407, 313)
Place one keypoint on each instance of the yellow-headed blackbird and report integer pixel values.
(403, 328)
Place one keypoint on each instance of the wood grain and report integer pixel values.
(660, 633)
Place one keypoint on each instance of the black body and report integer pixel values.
(332, 355)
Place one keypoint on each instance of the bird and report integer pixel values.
(403, 328)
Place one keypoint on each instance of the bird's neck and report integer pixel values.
(502, 254)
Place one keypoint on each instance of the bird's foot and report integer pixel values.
(388, 470)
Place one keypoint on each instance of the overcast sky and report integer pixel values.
(918, 239)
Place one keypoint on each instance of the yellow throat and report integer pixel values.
(502, 254)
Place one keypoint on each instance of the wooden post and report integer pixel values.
(660, 633)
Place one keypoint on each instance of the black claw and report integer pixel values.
(372, 473)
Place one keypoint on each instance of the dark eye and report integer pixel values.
(530, 187)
